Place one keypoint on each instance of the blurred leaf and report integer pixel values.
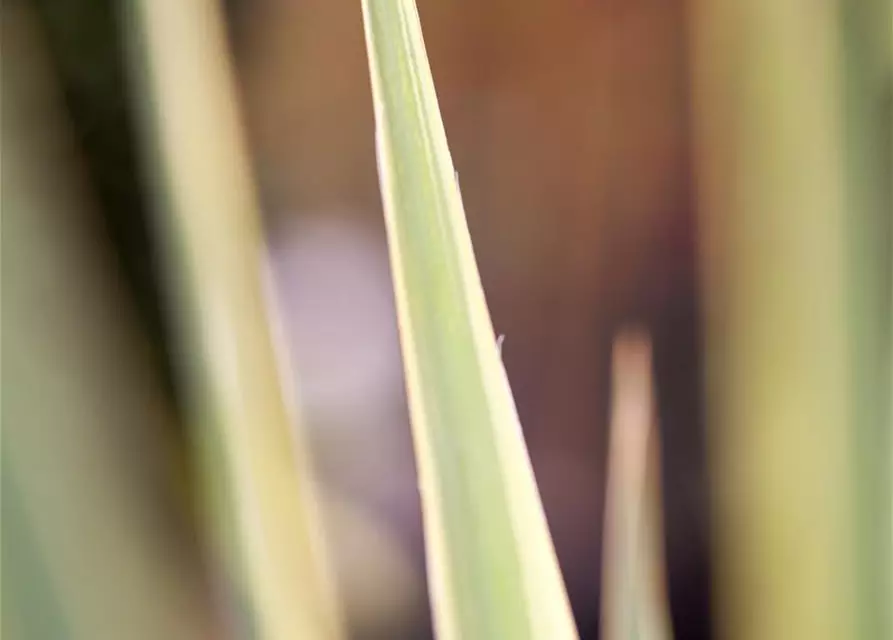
(634, 603)
(768, 148)
(89, 549)
(492, 566)
(868, 168)
(257, 475)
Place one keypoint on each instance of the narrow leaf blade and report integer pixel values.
(212, 232)
(491, 562)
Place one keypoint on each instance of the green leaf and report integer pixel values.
(86, 551)
(773, 218)
(255, 469)
(492, 566)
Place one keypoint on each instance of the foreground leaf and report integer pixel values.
(492, 566)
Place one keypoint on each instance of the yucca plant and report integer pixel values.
(798, 271)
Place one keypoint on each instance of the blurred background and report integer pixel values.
(717, 173)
